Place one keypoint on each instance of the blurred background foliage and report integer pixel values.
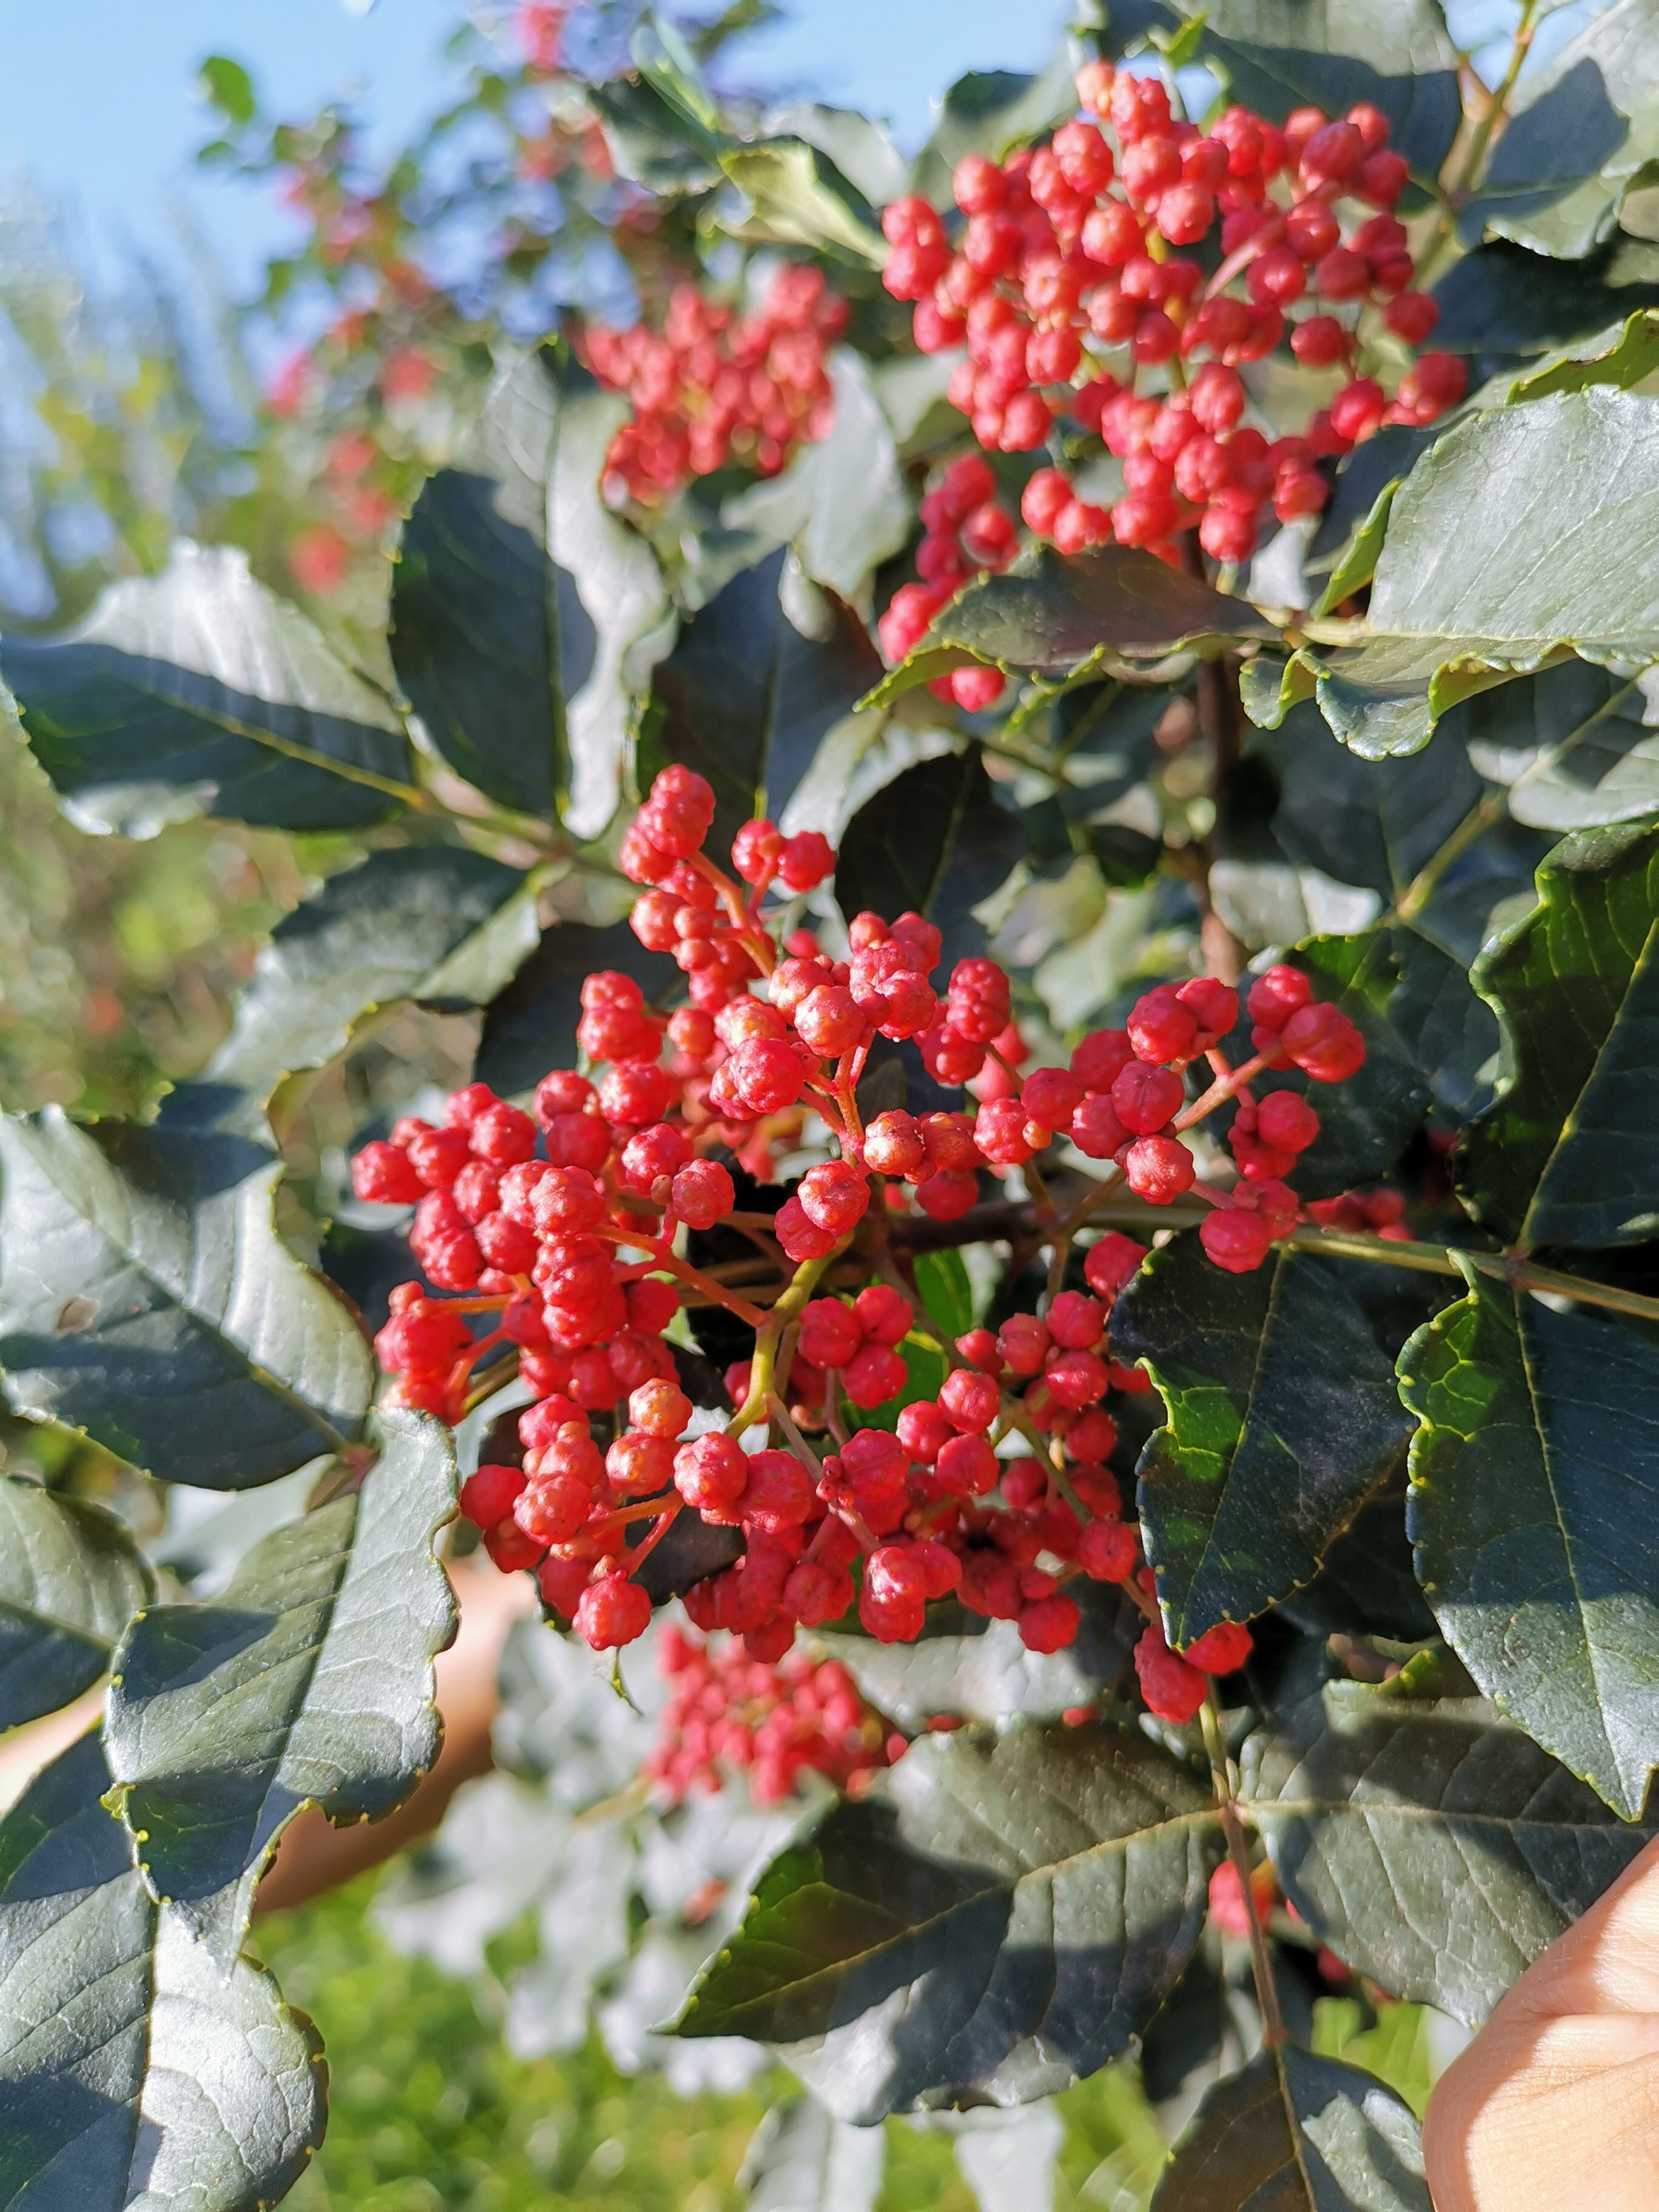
(297, 424)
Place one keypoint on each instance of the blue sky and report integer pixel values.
(100, 106)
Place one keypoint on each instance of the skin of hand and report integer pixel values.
(1554, 2106)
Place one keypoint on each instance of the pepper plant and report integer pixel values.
(1039, 785)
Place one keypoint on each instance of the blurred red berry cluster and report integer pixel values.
(713, 387)
(729, 1713)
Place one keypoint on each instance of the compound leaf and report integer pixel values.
(146, 1297)
(198, 691)
(71, 1579)
(135, 2067)
(1293, 2133)
(999, 1917)
(1428, 1841)
(1281, 1416)
(434, 923)
(307, 1680)
(1569, 1153)
(1534, 1512)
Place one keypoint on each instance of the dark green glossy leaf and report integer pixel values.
(1428, 1841)
(1367, 1584)
(1279, 54)
(946, 1291)
(1293, 2133)
(1565, 571)
(488, 634)
(1281, 1416)
(526, 616)
(933, 841)
(757, 678)
(307, 1680)
(1534, 1511)
(1570, 1152)
(1504, 300)
(434, 923)
(1058, 612)
(146, 1297)
(1370, 822)
(531, 1026)
(71, 1579)
(991, 112)
(198, 691)
(1587, 126)
(135, 2069)
(999, 1916)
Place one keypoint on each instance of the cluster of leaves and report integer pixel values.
(1423, 1466)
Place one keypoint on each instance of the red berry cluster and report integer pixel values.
(559, 1230)
(728, 1712)
(1175, 1683)
(713, 386)
(1077, 254)
(966, 531)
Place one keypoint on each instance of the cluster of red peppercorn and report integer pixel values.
(730, 1713)
(713, 386)
(560, 1228)
(1070, 256)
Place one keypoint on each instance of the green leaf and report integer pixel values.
(531, 1026)
(758, 679)
(135, 2069)
(992, 111)
(198, 691)
(1057, 613)
(1586, 133)
(1282, 1415)
(804, 2160)
(935, 842)
(307, 1680)
(1569, 1154)
(1562, 494)
(1367, 1584)
(1571, 745)
(1370, 822)
(997, 1919)
(652, 142)
(841, 503)
(229, 87)
(1430, 1842)
(1501, 298)
(1276, 55)
(434, 923)
(1534, 1512)
(146, 1297)
(1624, 354)
(862, 150)
(948, 1295)
(797, 195)
(71, 1579)
(1296, 2134)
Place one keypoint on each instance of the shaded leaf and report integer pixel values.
(488, 634)
(757, 679)
(307, 1680)
(934, 842)
(1534, 1512)
(861, 149)
(434, 923)
(1056, 613)
(198, 691)
(1276, 55)
(804, 2160)
(1293, 2133)
(1582, 136)
(1281, 1416)
(1372, 822)
(1569, 1154)
(71, 1579)
(1566, 570)
(1367, 1584)
(1501, 298)
(146, 1297)
(652, 142)
(531, 1026)
(135, 2069)
(1429, 1842)
(997, 1919)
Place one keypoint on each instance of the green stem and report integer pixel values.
(1452, 1260)
(769, 1335)
(1225, 1783)
(1469, 172)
